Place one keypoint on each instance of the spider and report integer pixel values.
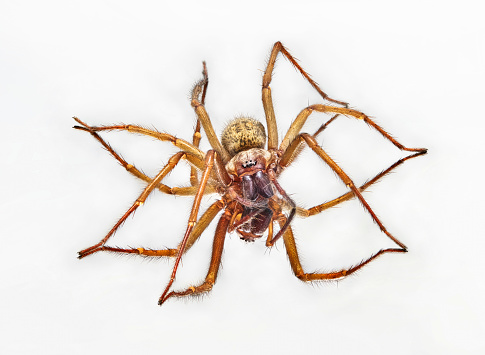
(243, 169)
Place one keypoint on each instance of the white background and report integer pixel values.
(417, 67)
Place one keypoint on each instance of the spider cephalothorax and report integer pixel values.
(243, 168)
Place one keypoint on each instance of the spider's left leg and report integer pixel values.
(292, 252)
(266, 94)
(217, 248)
(203, 116)
(180, 191)
(312, 143)
(197, 136)
(139, 201)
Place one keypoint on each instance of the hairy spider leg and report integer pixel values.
(217, 248)
(194, 181)
(312, 143)
(203, 117)
(302, 212)
(182, 144)
(300, 120)
(184, 191)
(266, 92)
(291, 151)
(208, 165)
(325, 125)
(291, 155)
(172, 162)
(180, 191)
(294, 259)
(199, 228)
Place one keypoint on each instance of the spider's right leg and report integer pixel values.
(183, 145)
(201, 225)
(292, 252)
(199, 108)
(139, 201)
(197, 136)
(181, 191)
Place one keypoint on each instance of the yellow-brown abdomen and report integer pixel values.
(243, 133)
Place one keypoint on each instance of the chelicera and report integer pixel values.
(243, 169)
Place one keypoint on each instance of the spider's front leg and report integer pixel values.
(217, 248)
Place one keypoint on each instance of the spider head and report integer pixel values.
(249, 162)
(243, 133)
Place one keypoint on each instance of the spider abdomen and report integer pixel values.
(243, 133)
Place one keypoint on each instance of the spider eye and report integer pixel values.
(248, 163)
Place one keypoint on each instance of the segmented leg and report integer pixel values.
(266, 92)
(197, 136)
(209, 163)
(312, 143)
(195, 156)
(180, 191)
(217, 248)
(203, 116)
(302, 212)
(139, 201)
(292, 252)
(199, 227)
(300, 120)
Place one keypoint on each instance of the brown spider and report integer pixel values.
(244, 173)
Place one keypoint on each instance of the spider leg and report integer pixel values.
(180, 191)
(197, 136)
(217, 248)
(139, 201)
(195, 157)
(199, 108)
(266, 93)
(300, 120)
(294, 259)
(302, 212)
(208, 165)
(199, 227)
(325, 125)
(312, 143)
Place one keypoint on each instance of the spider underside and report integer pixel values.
(243, 168)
